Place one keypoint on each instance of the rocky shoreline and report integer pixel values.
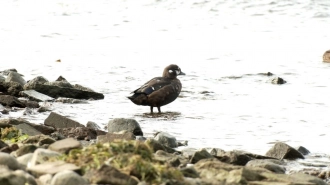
(62, 151)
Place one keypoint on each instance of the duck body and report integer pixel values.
(159, 91)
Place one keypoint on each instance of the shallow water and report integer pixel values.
(114, 47)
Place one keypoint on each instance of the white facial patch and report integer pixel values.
(177, 72)
(170, 71)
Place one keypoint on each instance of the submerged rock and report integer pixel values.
(278, 80)
(283, 151)
(34, 95)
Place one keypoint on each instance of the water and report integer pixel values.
(114, 47)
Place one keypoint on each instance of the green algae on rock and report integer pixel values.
(12, 135)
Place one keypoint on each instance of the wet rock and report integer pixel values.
(166, 139)
(11, 88)
(42, 155)
(303, 150)
(110, 175)
(110, 137)
(11, 101)
(45, 179)
(80, 133)
(9, 161)
(119, 124)
(37, 80)
(36, 96)
(43, 109)
(199, 155)
(278, 80)
(283, 151)
(326, 56)
(7, 71)
(30, 104)
(2, 78)
(15, 77)
(83, 88)
(93, 125)
(51, 168)
(189, 152)
(63, 89)
(46, 130)
(67, 178)
(189, 172)
(25, 149)
(234, 157)
(65, 145)
(58, 121)
(28, 129)
(155, 145)
(269, 164)
(70, 100)
(39, 140)
(9, 149)
(2, 144)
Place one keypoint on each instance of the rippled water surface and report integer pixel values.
(114, 47)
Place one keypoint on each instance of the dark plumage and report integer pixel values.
(159, 91)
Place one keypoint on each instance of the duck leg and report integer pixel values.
(151, 109)
(159, 110)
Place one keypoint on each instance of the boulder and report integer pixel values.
(34, 81)
(36, 96)
(65, 145)
(303, 150)
(45, 179)
(51, 168)
(2, 78)
(25, 149)
(15, 77)
(2, 144)
(11, 101)
(283, 151)
(110, 137)
(67, 177)
(234, 157)
(199, 155)
(11, 88)
(93, 125)
(164, 157)
(166, 139)
(120, 124)
(24, 160)
(80, 133)
(18, 177)
(326, 56)
(275, 166)
(58, 121)
(42, 155)
(39, 140)
(155, 145)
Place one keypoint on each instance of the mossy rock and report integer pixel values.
(12, 135)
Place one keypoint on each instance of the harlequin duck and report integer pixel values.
(159, 91)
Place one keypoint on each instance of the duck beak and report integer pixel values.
(182, 73)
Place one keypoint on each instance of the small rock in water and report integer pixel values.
(278, 80)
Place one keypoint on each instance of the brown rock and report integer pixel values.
(110, 137)
(80, 133)
(11, 101)
(58, 121)
(283, 151)
(65, 145)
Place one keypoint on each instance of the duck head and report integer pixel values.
(172, 71)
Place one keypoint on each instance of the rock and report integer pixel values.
(165, 157)
(110, 175)
(278, 80)
(11, 88)
(166, 139)
(155, 145)
(42, 155)
(18, 177)
(283, 151)
(63, 89)
(234, 157)
(189, 172)
(30, 104)
(326, 56)
(15, 77)
(9, 161)
(70, 100)
(189, 152)
(199, 155)
(45, 179)
(51, 168)
(25, 149)
(80, 133)
(303, 150)
(119, 124)
(67, 178)
(34, 81)
(7, 71)
(39, 140)
(11, 101)
(59, 121)
(65, 145)
(36, 96)
(110, 137)
(93, 125)
(269, 164)
(27, 129)
(2, 78)
(24, 160)
(2, 144)
(46, 130)
(80, 87)
(9, 149)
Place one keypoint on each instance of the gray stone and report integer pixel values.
(24, 160)
(283, 151)
(25, 149)
(80, 133)
(93, 125)
(11, 88)
(51, 168)
(155, 145)
(15, 77)
(19, 177)
(268, 164)
(42, 155)
(303, 150)
(45, 179)
(120, 124)
(234, 157)
(2, 78)
(59, 121)
(28, 129)
(2, 144)
(71, 100)
(68, 177)
(11, 101)
(166, 139)
(110, 137)
(165, 157)
(199, 155)
(65, 145)
(34, 81)
(39, 140)
(10, 161)
(36, 96)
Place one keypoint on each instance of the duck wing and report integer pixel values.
(152, 85)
